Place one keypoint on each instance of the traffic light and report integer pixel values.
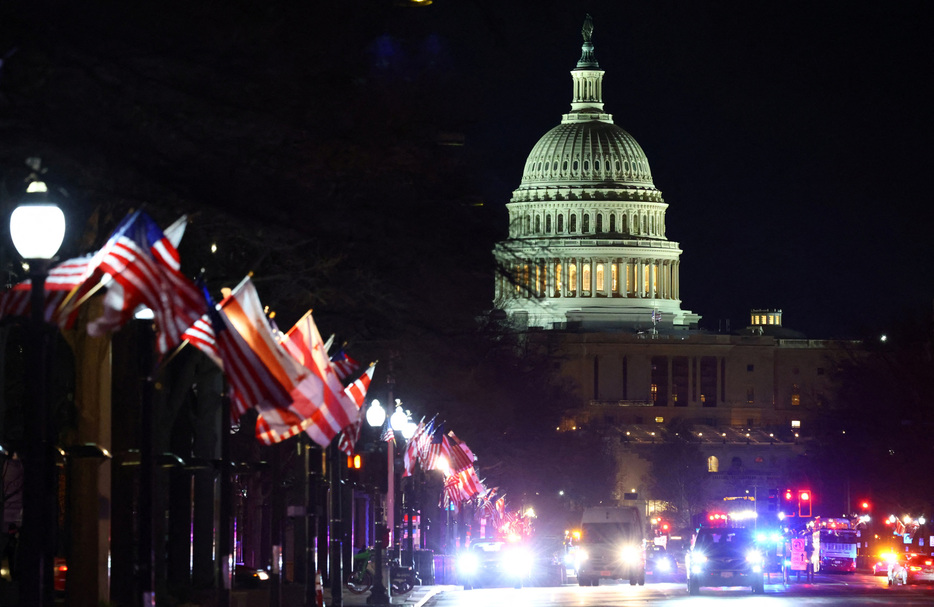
(865, 506)
(773, 500)
(788, 504)
(355, 468)
(804, 502)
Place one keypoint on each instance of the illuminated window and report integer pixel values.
(517, 278)
(796, 423)
(600, 283)
(795, 395)
(585, 277)
(654, 390)
(713, 464)
(558, 278)
(659, 420)
(614, 281)
(771, 319)
(572, 277)
(750, 395)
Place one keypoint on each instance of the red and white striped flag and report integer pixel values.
(246, 315)
(251, 382)
(357, 391)
(140, 266)
(62, 279)
(335, 409)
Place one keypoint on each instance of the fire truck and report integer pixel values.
(835, 542)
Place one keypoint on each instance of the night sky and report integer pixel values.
(790, 139)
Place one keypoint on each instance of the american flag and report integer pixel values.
(414, 450)
(343, 365)
(62, 279)
(247, 316)
(250, 381)
(387, 435)
(140, 266)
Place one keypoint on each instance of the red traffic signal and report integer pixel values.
(864, 505)
(804, 502)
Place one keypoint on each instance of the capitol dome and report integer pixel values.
(592, 151)
(587, 246)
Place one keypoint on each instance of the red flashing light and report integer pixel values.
(805, 496)
(865, 505)
(788, 495)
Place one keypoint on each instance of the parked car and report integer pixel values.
(724, 556)
(494, 563)
(249, 577)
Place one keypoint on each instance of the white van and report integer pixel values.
(612, 546)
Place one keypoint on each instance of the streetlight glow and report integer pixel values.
(375, 415)
(398, 419)
(37, 230)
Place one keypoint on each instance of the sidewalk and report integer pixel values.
(417, 598)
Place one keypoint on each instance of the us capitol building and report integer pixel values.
(588, 269)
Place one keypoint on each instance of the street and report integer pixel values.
(858, 589)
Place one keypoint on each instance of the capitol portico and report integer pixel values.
(587, 246)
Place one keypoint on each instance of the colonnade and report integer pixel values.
(632, 277)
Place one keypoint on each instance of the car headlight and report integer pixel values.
(663, 564)
(468, 563)
(262, 575)
(754, 557)
(517, 562)
(630, 555)
(582, 555)
(696, 562)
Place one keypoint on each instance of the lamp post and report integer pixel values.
(397, 421)
(408, 431)
(37, 228)
(375, 417)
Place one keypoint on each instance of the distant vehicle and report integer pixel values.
(659, 564)
(494, 563)
(611, 546)
(835, 543)
(880, 566)
(249, 577)
(724, 556)
(911, 570)
(59, 574)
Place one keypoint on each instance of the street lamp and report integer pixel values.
(376, 417)
(37, 228)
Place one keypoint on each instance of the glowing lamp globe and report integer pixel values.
(37, 230)
(398, 419)
(375, 415)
